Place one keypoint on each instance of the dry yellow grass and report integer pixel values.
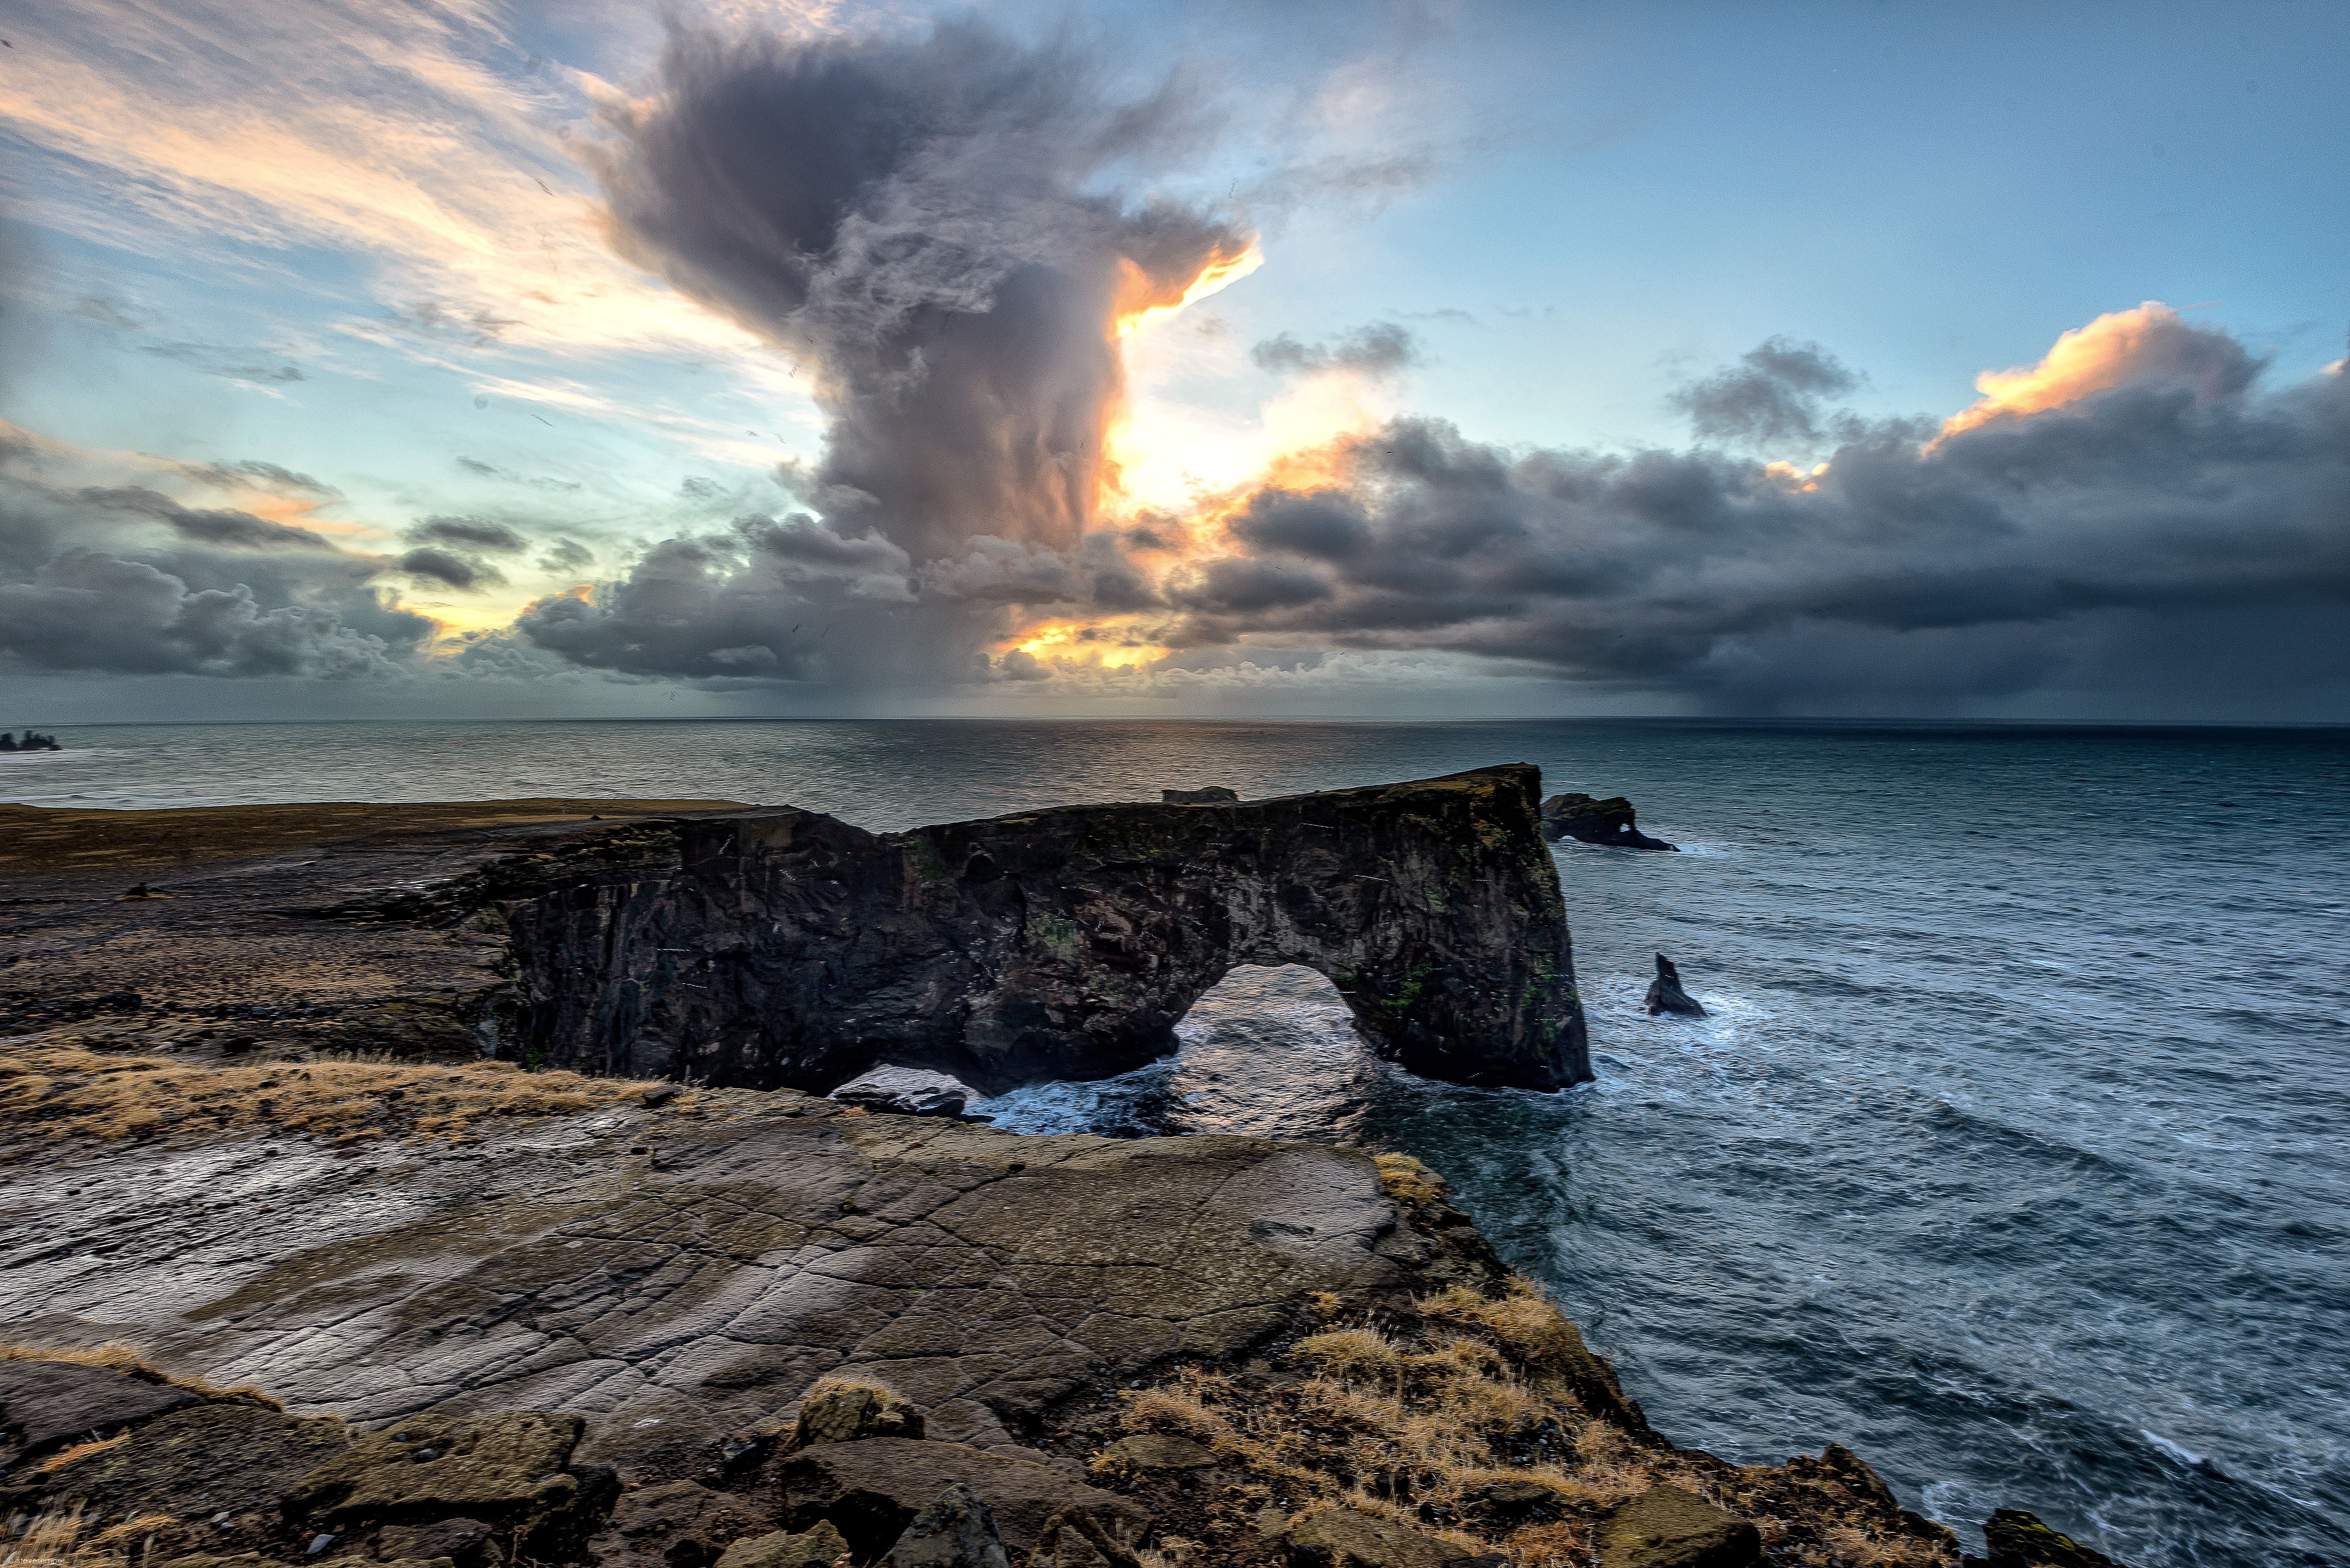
(1417, 1416)
(131, 1360)
(61, 1538)
(55, 1086)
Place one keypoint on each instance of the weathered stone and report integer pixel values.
(1589, 820)
(1341, 1538)
(818, 1548)
(906, 1091)
(789, 948)
(1073, 1538)
(872, 1489)
(842, 1410)
(1515, 1499)
(677, 1524)
(1665, 995)
(508, 1469)
(956, 1531)
(2019, 1531)
(464, 1542)
(1666, 1527)
(200, 1460)
(45, 1405)
(1161, 1451)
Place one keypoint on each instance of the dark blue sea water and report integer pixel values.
(2014, 1154)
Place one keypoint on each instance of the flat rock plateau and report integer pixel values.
(291, 1271)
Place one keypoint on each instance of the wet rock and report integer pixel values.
(46, 1404)
(1512, 1500)
(1665, 995)
(1589, 820)
(872, 1489)
(956, 1531)
(1666, 1527)
(1341, 1538)
(1073, 1538)
(508, 1469)
(2018, 1533)
(461, 1542)
(906, 1091)
(1161, 1451)
(1064, 943)
(842, 1410)
(201, 1459)
(679, 1524)
(1213, 795)
(818, 1548)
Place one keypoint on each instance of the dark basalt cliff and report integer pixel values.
(789, 948)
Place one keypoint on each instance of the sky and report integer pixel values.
(448, 358)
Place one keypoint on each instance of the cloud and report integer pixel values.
(230, 364)
(1771, 399)
(1380, 349)
(124, 579)
(2146, 347)
(467, 533)
(449, 569)
(923, 219)
(2014, 555)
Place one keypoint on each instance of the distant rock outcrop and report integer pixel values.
(1213, 794)
(1665, 995)
(1589, 820)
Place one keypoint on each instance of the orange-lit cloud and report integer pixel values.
(2149, 343)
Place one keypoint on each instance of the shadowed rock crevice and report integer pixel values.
(789, 948)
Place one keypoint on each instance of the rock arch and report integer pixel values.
(789, 948)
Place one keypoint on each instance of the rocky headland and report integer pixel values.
(293, 1273)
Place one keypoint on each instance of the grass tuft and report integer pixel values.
(55, 1087)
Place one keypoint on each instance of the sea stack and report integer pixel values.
(1665, 995)
(1588, 819)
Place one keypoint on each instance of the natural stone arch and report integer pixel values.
(790, 947)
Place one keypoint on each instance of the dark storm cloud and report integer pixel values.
(125, 580)
(1775, 397)
(1997, 559)
(467, 533)
(1381, 348)
(922, 218)
(449, 569)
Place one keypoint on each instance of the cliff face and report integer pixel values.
(789, 948)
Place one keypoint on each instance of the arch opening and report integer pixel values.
(1269, 1051)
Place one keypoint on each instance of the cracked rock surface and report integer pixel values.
(672, 1297)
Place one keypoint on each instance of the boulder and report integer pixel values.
(906, 1091)
(1589, 820)
(955, 1532)
(45, 1405)
(508, 1469)
(201, 1460)
(2018, 1531)
(1666, 1527)
(872, 1489)
(843, 1410)
(1665, 995)
(1213, 795)
(1161, 1451)
(678, 1524)
(818, 1548)
(462, 1543)
(1342, 1538)
(1073, 1538)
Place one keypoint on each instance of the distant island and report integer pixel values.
(33, 741)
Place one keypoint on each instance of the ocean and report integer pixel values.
(2013, 1154)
